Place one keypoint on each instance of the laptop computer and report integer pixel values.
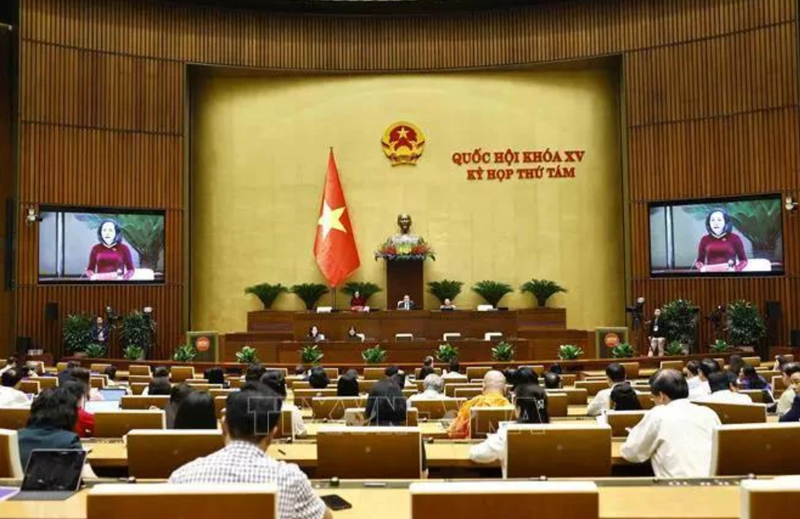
(113, 394)
(51, 475)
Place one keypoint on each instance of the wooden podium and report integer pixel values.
(404, 277)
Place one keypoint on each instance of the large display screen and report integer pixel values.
(106, 246)
(725, 237)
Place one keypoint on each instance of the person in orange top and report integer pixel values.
(494, 388)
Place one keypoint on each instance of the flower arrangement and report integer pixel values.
(419, 251)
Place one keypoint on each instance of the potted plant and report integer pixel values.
(311, 354)
(133, 352)
(77, 332)
(680, 322)
(445, 289)
(719, 346)
(185, 353)
(569, 352)
(266, 293)
(542, 290)
(374, 355)
(622, 350)
(492, 291)
(247, 355)
(309, 293)
(503, 352)
(95, 351)
(745, 324)
(365, 288)
(138, 328)
(674, 349)
(446, 353)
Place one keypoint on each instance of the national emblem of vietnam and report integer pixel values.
(403, 143)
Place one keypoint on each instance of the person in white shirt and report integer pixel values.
(602, 401)
(433, 386)
(453, 371)
(702, 388)
(530, 408)
(676, 434)
(787, 397)
(9, 396)
(724, 390)
(692, 373)
(274, 380)
(11, 363)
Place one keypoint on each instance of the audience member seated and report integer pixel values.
(254, 372)
(177, 395)
(358, 303)
(780, 361)
(527, 376)
(85, 376)
(275, 381)
(552, 380)
(624, 398)
(9, 395)
(318, 379)
(251, 420)
(347, 385)
(425, 371)
(64, 375)
(161, 372)
(196, 412)
(433, 386)
(352, 334)
(530, 408)
(702, 388)
(111, 374)
(406, 303)
(556, 368)
(724, 389)
(675, 435)
(447, 305)
(735, 365)
(299, 370)
(84, 426)
(158, 386)
(386, 404)
(453, 371)
(615, 374)
(750, 379)
(793, 415)
(427, 362)
(216, 376)
(511, 377)
(314, 335)
(54, 414)
(11, 363)
(494, 385)
(787, 397)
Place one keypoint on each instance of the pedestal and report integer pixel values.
(404, 277)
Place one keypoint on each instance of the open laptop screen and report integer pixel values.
(54, 470)
(113, 394)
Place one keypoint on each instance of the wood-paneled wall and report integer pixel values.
(710, 87)
(6, 186)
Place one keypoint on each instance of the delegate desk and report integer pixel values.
(630, 500)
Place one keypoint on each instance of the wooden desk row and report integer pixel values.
(697, 501)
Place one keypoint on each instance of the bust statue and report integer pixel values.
(404, 245)
(405, 237)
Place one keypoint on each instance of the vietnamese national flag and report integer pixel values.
(335, 246)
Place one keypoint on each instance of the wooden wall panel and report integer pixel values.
(711, 88)
(6, 189)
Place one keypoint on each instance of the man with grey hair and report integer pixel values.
(433, 386)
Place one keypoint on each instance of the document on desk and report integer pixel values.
(6, 492)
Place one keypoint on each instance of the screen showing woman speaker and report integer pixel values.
(104, 246)
(724, 237)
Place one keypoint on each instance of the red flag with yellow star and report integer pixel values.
(335, 245)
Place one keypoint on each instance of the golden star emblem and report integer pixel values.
(331, 219)
(402, 133)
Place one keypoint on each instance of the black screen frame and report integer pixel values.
(711, 200)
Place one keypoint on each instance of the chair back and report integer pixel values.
(98, 381)
(60, 366)
(332, 373)
(204, 386)
(738, 413)
(143, 401)
(374, 373)
(592, 386)
(365, 386)
(671, 364)
(139, 379)
(181, 373)
(621, 421)
(198, 501)
(237, 383)
(99, 367)
(332, 408)
(302, 397)
(137, 388)
(484, 421)
(646, 401)
(301, 384)
(756, 395)
(417, 371)
(10, 465)
(394, 452)
(460, 379)
(437, 409)
(284, 371)
(115, 424)
(14, 418)
(631, 369)
(506, 499)
(450, 389)
(220, 392)
(558, 450)
(155, 454)
(768, 499)
(191, 381)
(557, 404)
(30, 386)
(477, 371)
(47, 382)
(574, 396)
(760, 449)
(467, 393)
(752, 361)
(138, 370)
(568, 380)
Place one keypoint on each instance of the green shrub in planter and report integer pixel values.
(569, 352)
(133, 352)
(311, 354)
(309, 293)
(445, 289)
(374, 355)
(95, 351)
(492, 291)
(446, 353)
(746, 326)
(622, 350)
(542, 290)
(503, 352)
(77, 332)
(266, 293)
(247, 355)
(185, 353)
(365, 288)
(674, 349)
(719, 346)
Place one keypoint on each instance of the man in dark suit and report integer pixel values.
(406, 303)
(65, 375)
